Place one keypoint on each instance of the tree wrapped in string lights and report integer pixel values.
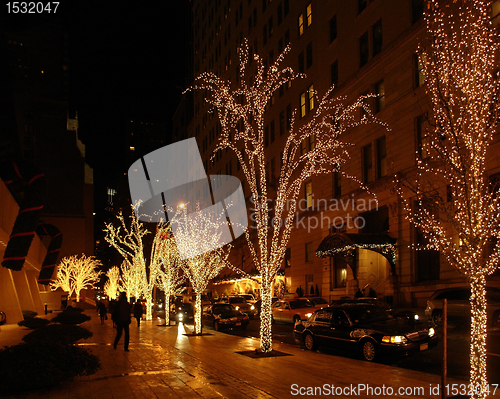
(128, 241)
(77, 273)
(169, 278)
(112, 286)
(241, 112)
(457, 206)
(198, 235)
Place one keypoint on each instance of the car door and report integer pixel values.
(340, 330)
(276, 310)
(286, 313)
(322, 327)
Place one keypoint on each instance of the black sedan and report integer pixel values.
(224, 315)
(365, 328)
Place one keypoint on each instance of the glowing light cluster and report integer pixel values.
(76, 273)
(169, 277)
(241, 111)
(112, 286)
(199, 233)
(457, 208)
(138, 277)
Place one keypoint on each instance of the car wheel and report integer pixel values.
(496, 318)
(369, 350)
(437, 318)
(216, 326)
(296, 318)
(310, 342)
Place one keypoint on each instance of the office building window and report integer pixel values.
(266, 136)
(309, 252)
(381, 158)
(309, 55)
(367, 164)
(270, 26)
(311, 97)
(303, 105)
(288, 117)
(417, 10)
(282, 123)
(312, 142)
(301, 24)
(280, 13)
(380, 99)
(423, 139)
(362, 5)
(272, 131)
(363, 49)
(337, 184)
(377, 37)
(419, 71)
(333, 28)
(309, 14)
(309, 194)
(334, 72)
(264, 34)
(301, 62)
(286, 7)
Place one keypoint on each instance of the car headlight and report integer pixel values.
(252, 307)
(394, 339)
(431, 332)
(237, 308)
(160, 305)
(417, 317)
(308, 315)
(181, 315)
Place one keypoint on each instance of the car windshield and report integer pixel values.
(237, 300)
(300, 304)
(222, 308)
(367, 314)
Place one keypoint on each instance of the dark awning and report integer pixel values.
(345, 244)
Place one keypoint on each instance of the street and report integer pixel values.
(429, 361)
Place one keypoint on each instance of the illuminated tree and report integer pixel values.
(457, 207)
(311, 149)
(197, 236)
(75, 274)
(128, 241)
(112, 286)
(169, 278)
(63, 279)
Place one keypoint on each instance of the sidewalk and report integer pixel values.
(164, 363)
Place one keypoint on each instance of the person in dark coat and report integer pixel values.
(138, 312)
(101, 308)
(121, 316)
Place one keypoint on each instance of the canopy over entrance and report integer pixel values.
(344, 245)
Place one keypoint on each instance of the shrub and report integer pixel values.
(29, 313)
(33, 323)
(32, 366)
(70, 317)
(59, 333)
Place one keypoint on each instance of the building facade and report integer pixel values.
(360, 47)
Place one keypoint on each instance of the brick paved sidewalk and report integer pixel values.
(165, 363)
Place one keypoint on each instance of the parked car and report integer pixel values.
(365, 328)
(318, 302)
(401, 313)
(241, 304)
(249, 298)
(224, 315)
(258, 304)
(459, 305)
(291, 311)
(184, 312)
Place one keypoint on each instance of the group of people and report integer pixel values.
(121, 315)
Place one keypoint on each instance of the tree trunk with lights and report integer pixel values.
(167, 310)
(241, 112)
(197, 314)
(266, 336)
(458, 208)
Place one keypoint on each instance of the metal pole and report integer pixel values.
(444, 373)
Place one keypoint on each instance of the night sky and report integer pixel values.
(127, 60)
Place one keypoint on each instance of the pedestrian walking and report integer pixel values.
(138, 312)
(101, 308)
(121, 316)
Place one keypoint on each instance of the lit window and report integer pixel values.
(301, 24)
(303, 105)
(309, 14)
(132, 148)
(309, 194)
(419, 69)
(311, 97)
